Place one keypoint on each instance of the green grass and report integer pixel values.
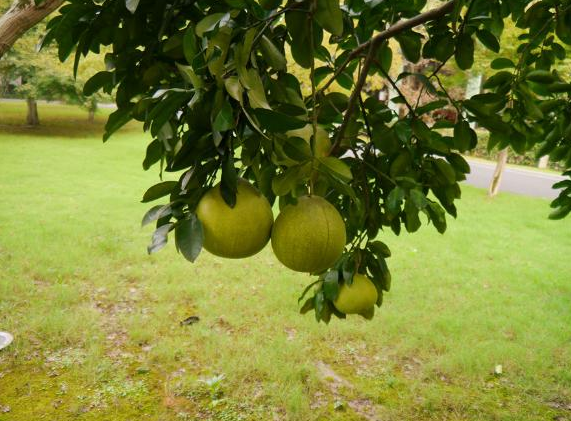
(96, 320)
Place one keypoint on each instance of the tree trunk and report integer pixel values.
(499, 171)
(91, 109)
(21, 16)
(32, 119)
(543, 162)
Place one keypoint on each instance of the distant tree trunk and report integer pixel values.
(21, 16)
(32, 119)
(499, 171)
(91, 109)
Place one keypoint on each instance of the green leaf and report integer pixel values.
(385, 57)
(306, 290)
(446, 170)
(189, 237)
(297, 149)
(189, 44)
(287, 181)
(276, 122)
(96, 82)
(418, 199)
(331, 286)
(336, 168)
(209, 23)
(459, 163)
(190, 76)
(154, 154)
(500, 78)
(559, 87)
(445, 48)
(380, 249)
(395, 199)
(234, 88)
(116, 120)
(158, 191)
(229, 182)
(563, 27)
(489, 40)
(502, 63)
(464, 53)
(155, 213)
(321, 73)
(437, 216)
(368, 314)
(308, 305)
(225, 119)
(540, 76)
(273, 56)
(400, 165)
(560, 212)
(256, 90)
(464, 137)
(410, 43)
(159, 239)
(329, 16)
(270, 4)
(431, 106)
(412, 221)
(298, 26)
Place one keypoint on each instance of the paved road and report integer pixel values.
(515, 180)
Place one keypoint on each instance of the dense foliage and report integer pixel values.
(210, 81)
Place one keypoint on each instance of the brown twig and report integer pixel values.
(390, 33)
(371, 47)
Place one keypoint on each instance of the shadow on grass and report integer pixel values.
(73, 129)
(56, 120)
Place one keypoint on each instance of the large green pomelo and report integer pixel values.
(309, 236)
(357, 298)
(236, 232)
(322, 142)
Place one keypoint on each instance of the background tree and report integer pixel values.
(211, 82)
(40, 75)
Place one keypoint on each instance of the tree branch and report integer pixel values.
(390, 33)
(372, 46)
(396, 88)
(20, 17)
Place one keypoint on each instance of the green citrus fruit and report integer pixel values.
(309, 236)
(322, 142)
(236, 232)
(358, 298)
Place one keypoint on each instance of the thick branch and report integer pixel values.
(372, 46)
(20, 17)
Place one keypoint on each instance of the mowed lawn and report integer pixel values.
(97, 321)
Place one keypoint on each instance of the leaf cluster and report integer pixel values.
(211, 83)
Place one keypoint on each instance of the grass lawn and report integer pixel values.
(96, 320)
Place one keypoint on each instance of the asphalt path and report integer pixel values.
(523, 181)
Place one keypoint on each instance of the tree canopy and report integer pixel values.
(212, 82)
